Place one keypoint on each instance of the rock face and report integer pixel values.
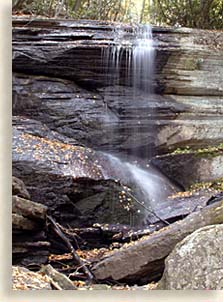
(196, 262)
(192, 167)
(67, 108)
(188, 84)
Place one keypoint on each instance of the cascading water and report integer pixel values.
(134, 54)
(129, 61)
(143, 59)
(151, 186)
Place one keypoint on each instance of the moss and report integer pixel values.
(184, 150)
(217, 185)
(211, 151)
(193, 64)
(190, 64)
(206, 154)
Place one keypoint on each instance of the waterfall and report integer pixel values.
(129, 61)
(143, 59)
(132, 56)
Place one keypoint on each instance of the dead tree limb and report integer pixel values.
(78, 260)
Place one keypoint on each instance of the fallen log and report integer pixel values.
(28, 208)
(143, 260)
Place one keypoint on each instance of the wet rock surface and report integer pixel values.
(72, 181)
(110, 119)
(196, 262)
(183, 54)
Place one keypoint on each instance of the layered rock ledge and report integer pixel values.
(60, 65)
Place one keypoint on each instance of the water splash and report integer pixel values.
(149, 186)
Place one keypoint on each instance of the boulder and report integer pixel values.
(23, 224)
(196, 262)
(72, 181)
(191, 167)
(28, 208)
(59, 280)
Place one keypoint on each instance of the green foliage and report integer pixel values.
(206, 14)
(188, 13)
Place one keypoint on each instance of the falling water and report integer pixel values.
(149, 186)
(129, 61)
(143, 59)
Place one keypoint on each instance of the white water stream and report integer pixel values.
(150, 186)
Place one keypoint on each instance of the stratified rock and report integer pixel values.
(29, 240)
(187, 61)
(196, 262)
(60, 110)
(28, 208)
(21, 223)
(19, 188)
(111, 119)
(24, 279)
(188, 80)
(191, 167)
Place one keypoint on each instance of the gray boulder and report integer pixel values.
(196, 262)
